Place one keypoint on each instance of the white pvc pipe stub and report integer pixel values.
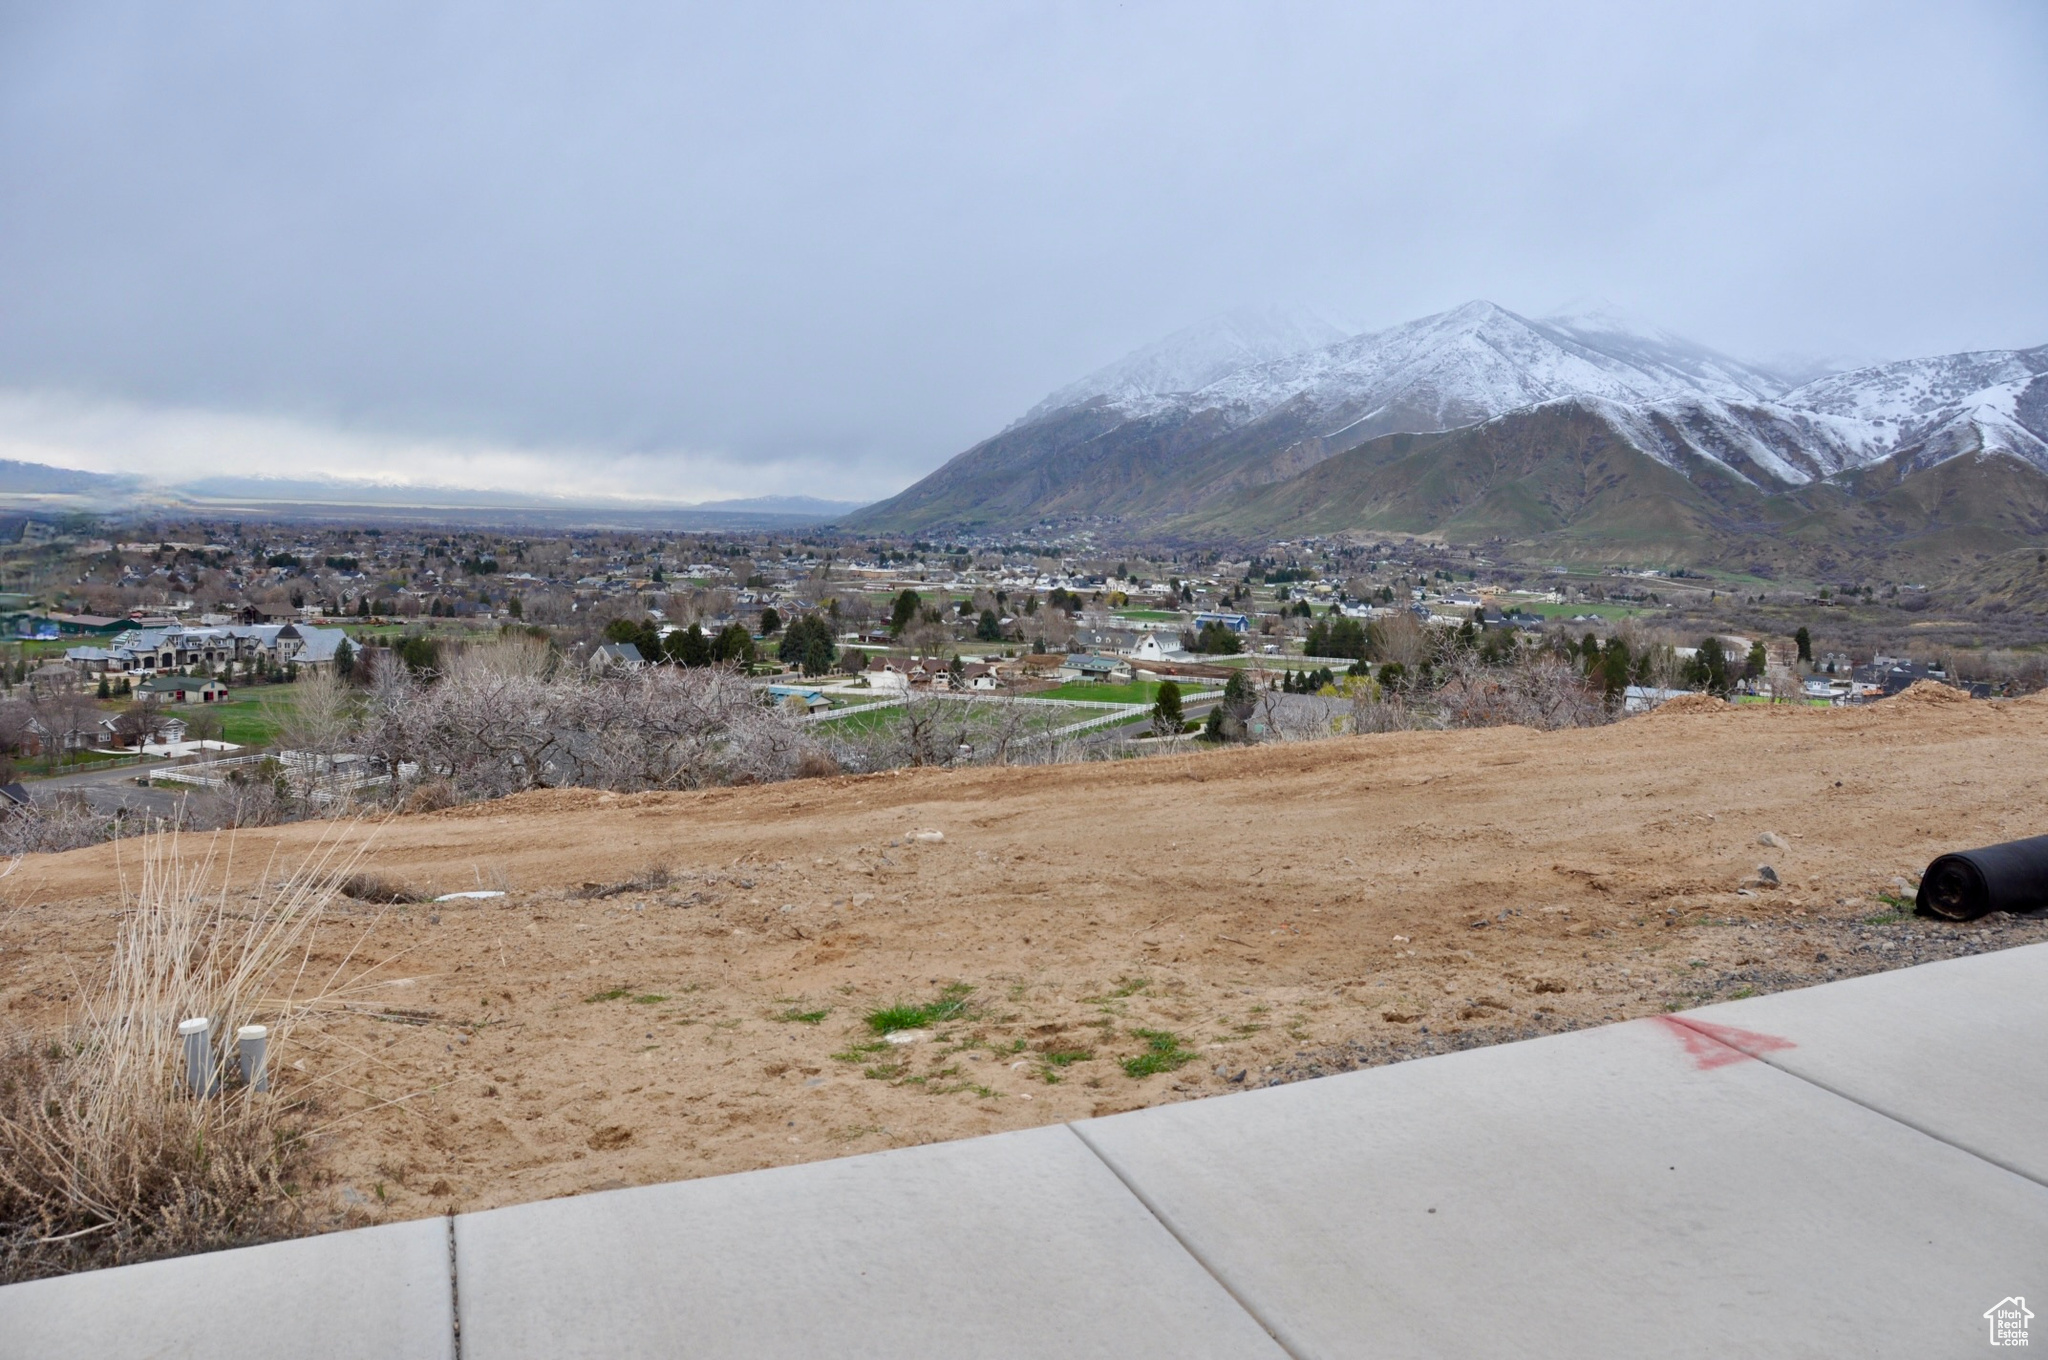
(250, 1043)
(197, 1034)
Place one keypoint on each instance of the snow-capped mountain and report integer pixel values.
(1927, 410)
(1193, 358)
(1194, 424)
(1468, 364)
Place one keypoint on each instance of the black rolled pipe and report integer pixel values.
(2012, 876)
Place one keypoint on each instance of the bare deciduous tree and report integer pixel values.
(1538, 690)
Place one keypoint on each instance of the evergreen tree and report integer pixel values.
(1757, 662)
(990, 629)
(345, 659)
(1708, 669)
(106, 690)
(689, 646)
(515, 607)
(734, 646)
(905, 611)
(1167, 719)
(1613, 668)
(1805, 641)
(808, 643)
(419, 653)
(771, 621)
(1235, 707)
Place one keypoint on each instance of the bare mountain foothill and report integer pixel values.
(674, 985)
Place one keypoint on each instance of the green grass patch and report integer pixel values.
(855, 1053)
(1066, 1057)
(797, 1017)
(1163, 1053)
(626, 994)
(251, 721)
(1125, 987)
(1137, 692)
(951, 1005)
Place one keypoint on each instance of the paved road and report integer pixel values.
(1852, 1169)
(110, 790)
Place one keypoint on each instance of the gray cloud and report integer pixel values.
(825, 247)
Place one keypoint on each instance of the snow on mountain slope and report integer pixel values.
(1461, 366)
(1940, 407)
(1918, 388)
(1193, 358)
(1784, 445)
(1603, 327)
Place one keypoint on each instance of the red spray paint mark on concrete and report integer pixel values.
(1710, 1045)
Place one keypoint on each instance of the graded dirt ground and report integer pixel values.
(1215, 919)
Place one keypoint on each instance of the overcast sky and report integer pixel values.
(782, 248)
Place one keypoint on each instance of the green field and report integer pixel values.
(973, 719)
(246, 721)
(1148, 615)
(1137, 692)
(861, 721)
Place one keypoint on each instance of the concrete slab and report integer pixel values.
(364, 1295)
(1629, 1191)
(1017, 1244)
(1957, 1048)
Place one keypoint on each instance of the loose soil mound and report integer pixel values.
(677, 985)
(1928, 692)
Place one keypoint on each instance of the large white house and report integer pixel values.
(1156, 645)
(150, 651)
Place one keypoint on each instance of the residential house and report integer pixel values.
(1157, 645)
(180, 689)
(165, 731)
(97, 661)
(617, 656)
(1103, 669)
(302, 645)
(800, 696)
(885, 672)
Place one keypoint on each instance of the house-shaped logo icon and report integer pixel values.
(2008, 1319)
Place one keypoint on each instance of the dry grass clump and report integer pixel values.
(104, 1157)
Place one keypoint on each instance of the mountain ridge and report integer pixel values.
(1204, 461)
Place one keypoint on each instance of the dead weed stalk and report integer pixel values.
(104, 1157)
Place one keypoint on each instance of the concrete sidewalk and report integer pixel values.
(1859, 1168)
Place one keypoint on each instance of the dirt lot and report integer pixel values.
(1240, 916)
